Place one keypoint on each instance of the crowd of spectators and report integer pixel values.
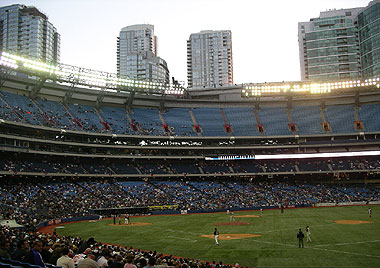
(70, 252)
(31, 202)
(77, 166)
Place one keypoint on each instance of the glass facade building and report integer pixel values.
(341, 44)
(369, 36)
(329, 46)
(26, 31)
(209, 59)
(137, 55)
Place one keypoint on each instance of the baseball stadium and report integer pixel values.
(210, 178)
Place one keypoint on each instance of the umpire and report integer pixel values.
(300, 237)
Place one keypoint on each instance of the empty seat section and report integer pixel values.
(279, 166)
(215, 167)
(242, 121)
(23, 106)
(341, 118)
(96, 168)
(7, 112)
(249, 166)
(275, 120)
(369, 115)
(210, 120)
(148, 121)
(117, 119)
(187, 168)
(151, 168)
(87, 116)
(312, 165)
(307, 119)
(179, 121)
(123, 168)
(57, 113)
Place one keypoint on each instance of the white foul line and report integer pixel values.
(325, 249)
(351, 243)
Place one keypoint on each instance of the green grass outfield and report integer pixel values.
(333, 245)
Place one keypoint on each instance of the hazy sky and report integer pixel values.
(264, 33)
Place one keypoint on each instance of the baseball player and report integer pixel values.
(216, 236)
(308, 239)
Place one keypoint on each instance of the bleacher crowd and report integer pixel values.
(34, 250)
(72, 165)
(31, 202)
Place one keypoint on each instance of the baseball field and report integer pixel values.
(341, 236)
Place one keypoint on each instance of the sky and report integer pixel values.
(264, 33)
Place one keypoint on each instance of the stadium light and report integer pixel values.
(83, 76)
(306, 87)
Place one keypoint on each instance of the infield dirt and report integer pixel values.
(132, 224)
(231, 223)
(352, 222)
(231, 236)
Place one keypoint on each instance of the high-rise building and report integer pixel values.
(329, 47)
(137, 55)
(26, 30)
(369, 39)
(209, 59)
(341, 44)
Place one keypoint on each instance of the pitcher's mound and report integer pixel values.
(248, 216)
(231, 223)
(132, 224)
(352, 222)
(231, 236)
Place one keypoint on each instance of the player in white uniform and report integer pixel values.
(216, 236)
(308, 239)
(232, 218)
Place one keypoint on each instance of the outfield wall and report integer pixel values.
(162, 212)
(66, 220)
(347, 204)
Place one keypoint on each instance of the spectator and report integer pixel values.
(65, 261)
(81, 256)
(129, 261)
(103, 260)
(5, 247)
(88, 262)
(34, 256)
(22, 250)
(118, 262)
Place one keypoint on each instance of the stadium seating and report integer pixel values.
(307, 119)
(86, 116)
(242, 121)
(369, 115)
(212, 121)
(179, 121)
(116, 118)
(274, 120)
(56, 114)
(21, 107)
(341, 118)
(148, 121)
